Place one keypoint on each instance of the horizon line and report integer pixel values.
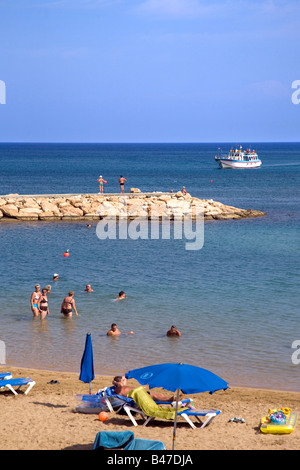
(155, 143)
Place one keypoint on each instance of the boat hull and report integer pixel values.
(231, 164)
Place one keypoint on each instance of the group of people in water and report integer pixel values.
(40, 307)
(114, 331)
(102, 181)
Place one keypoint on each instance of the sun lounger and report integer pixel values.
(5, 376)
(124, 440)
(128, 403)
(151, 410)
(106, 400)
(17, 383)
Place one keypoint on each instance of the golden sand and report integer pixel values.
(45, 419)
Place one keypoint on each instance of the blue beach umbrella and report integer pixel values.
(87, 363)
(177, 376)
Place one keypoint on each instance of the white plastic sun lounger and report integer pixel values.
(148, 409)
(5, 376)
(17, 383)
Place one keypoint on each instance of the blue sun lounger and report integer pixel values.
(17, 383)
(5, 375)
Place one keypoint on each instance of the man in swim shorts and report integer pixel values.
(122, 181)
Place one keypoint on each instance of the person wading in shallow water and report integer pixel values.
(43, 304)
(173, 331)
(35, 296)
(68, 305)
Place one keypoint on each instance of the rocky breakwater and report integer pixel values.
(96, 206)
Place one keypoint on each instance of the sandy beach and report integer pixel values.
(45, 419)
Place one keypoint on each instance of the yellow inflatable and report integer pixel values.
(281, 421)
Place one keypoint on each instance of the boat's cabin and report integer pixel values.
(239, 155)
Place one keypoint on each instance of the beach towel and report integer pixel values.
(149, 407)
(124, 440)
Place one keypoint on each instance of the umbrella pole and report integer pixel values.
(90, 388)
(175, 420)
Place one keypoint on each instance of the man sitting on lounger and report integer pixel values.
(121, 388)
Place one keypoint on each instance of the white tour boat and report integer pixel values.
(238, 158)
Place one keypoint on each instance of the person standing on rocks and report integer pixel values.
(101, 181)
(122, 181)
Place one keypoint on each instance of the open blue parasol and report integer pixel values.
(177, 376)
(87, 363)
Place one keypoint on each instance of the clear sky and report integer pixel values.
(149, 70)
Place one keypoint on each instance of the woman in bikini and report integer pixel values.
(43, 304)
(35, 296)
(68, 305)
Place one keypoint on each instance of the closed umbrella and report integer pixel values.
(177, 376)
(87, 363)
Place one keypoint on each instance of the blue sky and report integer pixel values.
(149, 70)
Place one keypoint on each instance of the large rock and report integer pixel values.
(49, 207)
(10, 210)
(135, 190)
(71, 211)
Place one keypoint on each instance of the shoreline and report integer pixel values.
(46, 418)
(233, 384)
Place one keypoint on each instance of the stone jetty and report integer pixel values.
(72, 207)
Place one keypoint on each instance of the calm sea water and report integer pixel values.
(236, 301)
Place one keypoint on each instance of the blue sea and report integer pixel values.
(235, 301)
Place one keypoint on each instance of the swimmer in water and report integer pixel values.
(114, 331)
(121, 295)
(88, 288)
(173, 331)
